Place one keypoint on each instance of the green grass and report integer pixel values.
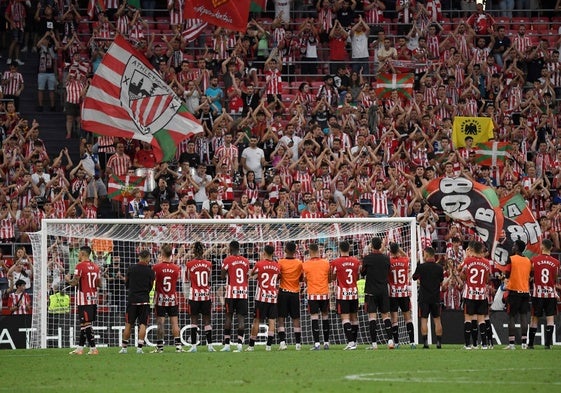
(451, 369)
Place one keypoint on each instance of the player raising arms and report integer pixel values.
(235, 269)
(345, 271)
(88, 278)
(316, 276)
(198, 271)
(545, 269)
(139, 281)
(267, 272)
(288, 301)
(475, 272)
(399, 282)
(165, 297)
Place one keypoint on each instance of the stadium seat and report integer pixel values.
(517, 21)
(503, 20)
(162, 23)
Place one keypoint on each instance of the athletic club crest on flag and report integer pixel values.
(147, 98)
(127, 98)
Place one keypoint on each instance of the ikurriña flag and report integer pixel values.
(402, 83)
(492, 154)
(120, 188)
(127, 98)
(229, 14)
(479, 128)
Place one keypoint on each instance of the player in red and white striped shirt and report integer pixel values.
(198, 272)
(87, 277)
(475, 273)
(267, 272)
(165, 297)
(235, 268)
(345, 272)
(399, 282)
(544, 295)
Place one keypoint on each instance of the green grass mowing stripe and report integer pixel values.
(403, 370)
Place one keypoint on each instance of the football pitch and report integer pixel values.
(450, 369)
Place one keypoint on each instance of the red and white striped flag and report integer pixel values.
(193, 29)
(127, 98)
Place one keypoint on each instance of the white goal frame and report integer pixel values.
(38, 337)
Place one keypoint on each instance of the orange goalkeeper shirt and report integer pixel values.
(316, 274)
(520, 268)
(291, 271)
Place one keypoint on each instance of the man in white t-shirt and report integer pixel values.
(253, 159)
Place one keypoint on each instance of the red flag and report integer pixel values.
(230, 14)
(128, 99)
(386, 83)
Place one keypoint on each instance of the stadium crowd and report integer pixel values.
(293, 124)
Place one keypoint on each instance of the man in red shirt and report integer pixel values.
(235, 268)
(198, 272)
(399, 284)
(267, 272)
(165, 297)
(544, 301)
(145, 157)
(475, 273)
(87, 278)
(345, 271)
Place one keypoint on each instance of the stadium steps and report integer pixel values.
(52, 125)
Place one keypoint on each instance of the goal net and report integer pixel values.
(116, 243)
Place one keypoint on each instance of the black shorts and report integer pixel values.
(432, 309)
(238, 306)
(400, 303)
(137, 312)
(347, 306)
(170, 311)
(318, 306)
(265, 310)
(197, 307)
(288, 304)
(72, 109)
(378, 302)
(517, 303)
(87, 313)
(542, 306)
(476, 307)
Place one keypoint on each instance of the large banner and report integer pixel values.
(470, 203)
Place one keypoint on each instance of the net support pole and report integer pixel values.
(43, 292)
(414, 294)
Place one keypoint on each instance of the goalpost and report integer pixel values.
(55, 247)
